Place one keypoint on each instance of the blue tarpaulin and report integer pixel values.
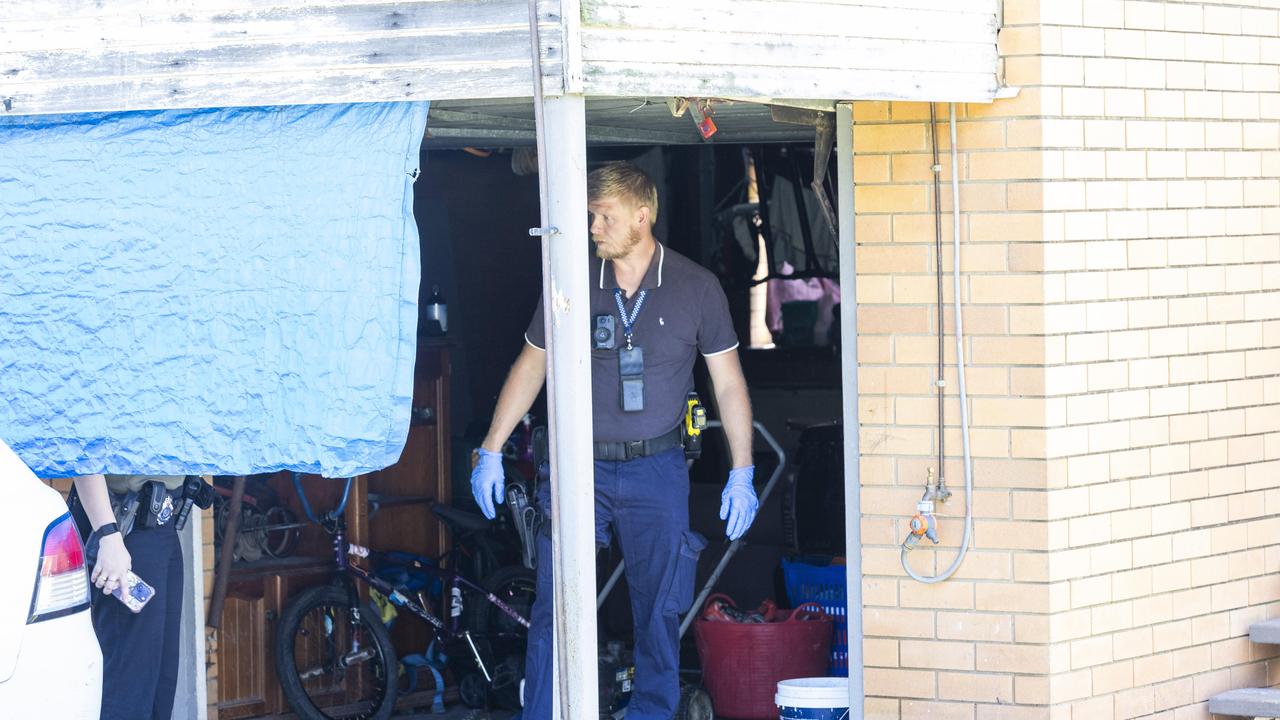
(223, 291)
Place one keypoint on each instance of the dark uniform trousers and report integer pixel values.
(645, 503)
(140, 652)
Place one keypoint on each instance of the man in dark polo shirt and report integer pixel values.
(664, 310)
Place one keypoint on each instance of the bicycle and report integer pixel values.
(334, 657)
(267, 527)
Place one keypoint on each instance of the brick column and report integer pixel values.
(975, 645)
(1161, 122)
(1122, 259)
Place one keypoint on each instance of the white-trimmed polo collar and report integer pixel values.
(652, 277)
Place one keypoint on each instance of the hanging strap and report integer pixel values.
(628, 321)
(802, 214)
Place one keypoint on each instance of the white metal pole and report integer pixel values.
(193, 680)
(565, 296)
(849, 385)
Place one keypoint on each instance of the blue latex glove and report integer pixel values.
(488, 482)
(738, 503)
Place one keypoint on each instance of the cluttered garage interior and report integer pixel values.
(746, 191)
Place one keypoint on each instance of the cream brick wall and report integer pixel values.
(1122, 258)
(1161, 143)
(978, 644)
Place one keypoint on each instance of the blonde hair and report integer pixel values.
(626, 181)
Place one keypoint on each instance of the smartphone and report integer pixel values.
(134, 592)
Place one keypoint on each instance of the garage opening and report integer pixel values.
(738, 196)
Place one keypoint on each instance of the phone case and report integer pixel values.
(134, 592)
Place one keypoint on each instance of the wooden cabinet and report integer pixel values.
(400, 496)
(255, 598)
(388, 510)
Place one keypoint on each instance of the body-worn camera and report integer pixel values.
(603, 333)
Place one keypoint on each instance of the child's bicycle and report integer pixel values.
(334, 657)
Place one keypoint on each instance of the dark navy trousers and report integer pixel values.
(140, 652)
(644, 504)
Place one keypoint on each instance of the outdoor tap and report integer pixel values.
(934, 490)
(943, 494)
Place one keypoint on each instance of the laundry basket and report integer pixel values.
(742, 663)
(826, 585)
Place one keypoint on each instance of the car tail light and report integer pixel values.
(62, 582)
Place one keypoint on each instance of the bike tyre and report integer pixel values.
(492, 622)
(695, 704)
(286, 664)
(280, 543)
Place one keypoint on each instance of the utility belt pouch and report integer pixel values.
(125, 507)
(695, 421)
(631, 370)
(157, 507)
(197, 492)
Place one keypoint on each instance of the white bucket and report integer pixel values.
(823, 698)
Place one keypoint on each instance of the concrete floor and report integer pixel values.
(456, 711)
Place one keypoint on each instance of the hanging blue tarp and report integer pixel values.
(223, 291)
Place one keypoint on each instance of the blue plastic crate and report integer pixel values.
(826, 585)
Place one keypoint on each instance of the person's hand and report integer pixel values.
(113, 562)
(738, 503)
(488, 483)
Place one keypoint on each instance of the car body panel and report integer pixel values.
(51, 668)
(58, 673)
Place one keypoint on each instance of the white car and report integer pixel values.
(50, 663)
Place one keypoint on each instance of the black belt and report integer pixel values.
(632, 449)
(134, 508)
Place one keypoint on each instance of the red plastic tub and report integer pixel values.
(743, 662)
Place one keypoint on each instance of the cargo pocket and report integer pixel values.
(681, 595)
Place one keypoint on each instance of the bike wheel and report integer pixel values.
(220, 507)
(515, 586)
(473, 691)
(331, 668)
(280, 542)
(506, 637)
(695, 704)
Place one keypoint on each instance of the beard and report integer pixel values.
(607, 251)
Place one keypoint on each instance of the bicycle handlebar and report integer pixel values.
(306, 506)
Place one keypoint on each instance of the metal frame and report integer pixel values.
(566, 299)
(734, 546)
(849, 386)
(566, 294)
(615, 121)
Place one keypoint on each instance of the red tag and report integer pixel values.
(707, 127)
